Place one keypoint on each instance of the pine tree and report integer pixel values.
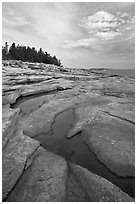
(40, 55)
(5, 51)
(12, 51)
(28, 54)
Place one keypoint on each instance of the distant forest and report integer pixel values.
(28, 54)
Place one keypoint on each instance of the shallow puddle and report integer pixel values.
(31, 102)
(76, 151)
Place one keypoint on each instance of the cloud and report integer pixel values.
(124, 15)
(101, 21)
(92, 43)
(100, 26)
(79, 43)
(37, 24)
(132, 19)
(103, 26)
(77, 33)
(128, 28)
(107, 35)
(118, 13)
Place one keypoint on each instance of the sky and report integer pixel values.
(80, 34)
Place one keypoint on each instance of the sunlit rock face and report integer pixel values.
(68, 134)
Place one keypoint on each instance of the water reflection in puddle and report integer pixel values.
(32, 102)
(76, 151)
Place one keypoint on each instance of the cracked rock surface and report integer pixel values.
(103, 108)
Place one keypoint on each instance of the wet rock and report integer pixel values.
(118, 89)
(92, 188)
(43, 180)
(49, 177)
(41, 88)
(31, 103)
(87, 106)
(39, 122)
(9, 122)
(15, 156)
(10, 97)
(103, 109)
(23, 65)
(112, 140)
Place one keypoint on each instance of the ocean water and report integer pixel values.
(122, 72)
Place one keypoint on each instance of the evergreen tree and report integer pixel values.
(5, 51)
(34, 54)
(12, 51)
(28, 54)
(40, 55)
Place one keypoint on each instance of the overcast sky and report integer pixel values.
(80, 34)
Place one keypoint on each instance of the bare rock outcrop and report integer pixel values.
(103, 109)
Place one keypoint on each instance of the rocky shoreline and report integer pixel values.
(104, 107)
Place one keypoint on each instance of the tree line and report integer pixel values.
(28, 54)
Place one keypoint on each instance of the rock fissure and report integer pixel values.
(101, 162)
(86, 197)
(119, 117)
(63, 168)
(59, 113)
(112, 173)
(26, 166)
(13, 131)
(35, 96)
